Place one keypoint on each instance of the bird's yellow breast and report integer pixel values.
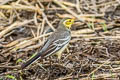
(59, 53)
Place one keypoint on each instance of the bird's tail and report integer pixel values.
(31, 60)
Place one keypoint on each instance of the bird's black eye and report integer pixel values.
(70, 20)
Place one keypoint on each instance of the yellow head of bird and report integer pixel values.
(68, 23)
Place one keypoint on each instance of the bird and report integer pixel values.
(56, 43)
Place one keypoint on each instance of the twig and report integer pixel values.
(104, 37)
(10, 67)
(46, 0)
(45, 17)
(13, 26)
(67, 9)
(14, 42)
(98, 67)
(76, 15)
(68, 3)
(4, 1)
(28, 42)
(78, 6)
(18, 7)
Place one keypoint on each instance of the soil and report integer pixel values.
(93, 52)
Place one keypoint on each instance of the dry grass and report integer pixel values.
(93, 53)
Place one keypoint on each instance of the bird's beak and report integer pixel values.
(73, 20)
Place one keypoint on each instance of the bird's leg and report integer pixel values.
(59, 57)
(67, 50)
(50, 61)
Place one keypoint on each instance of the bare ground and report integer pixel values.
(93, 52)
